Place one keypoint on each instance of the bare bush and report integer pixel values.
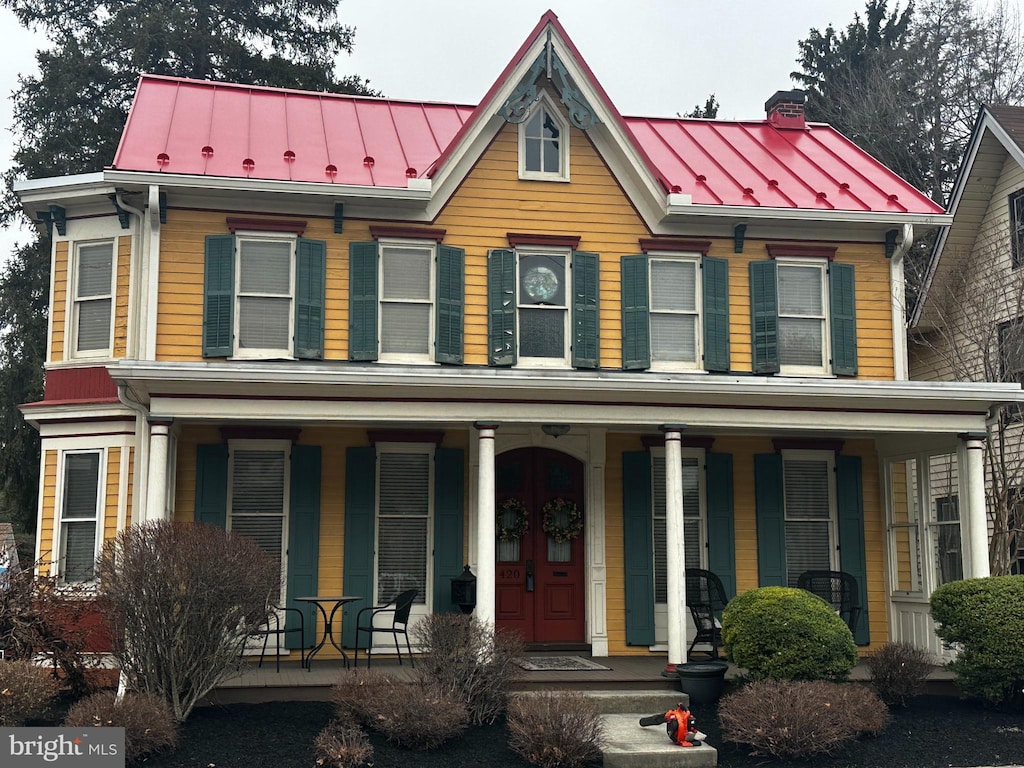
(470, 660)
(26, 692)
(555, 729)
(898, 671)
(149, 725)
(182, 598)
(422, 716)
(39, 615)
(796, 719)
(342, 745)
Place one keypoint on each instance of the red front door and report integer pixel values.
(540, 580)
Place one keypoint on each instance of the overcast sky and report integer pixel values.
(654, 57)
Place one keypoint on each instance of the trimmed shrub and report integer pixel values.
(182, 598)
(342, 745)
(470, 660)
(985, 619)
(555, 729)
(789, 719)
(419, 717)
(26, 692)
(149, 725)
(898, 671)
(787, 634)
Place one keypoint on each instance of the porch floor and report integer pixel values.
(295, 683)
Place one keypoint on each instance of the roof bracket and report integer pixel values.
(890, 242)
(339, 217)
(122, 214)
(739, 233)
(60, 219)
(517, 107)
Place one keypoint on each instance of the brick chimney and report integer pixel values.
(786, 109)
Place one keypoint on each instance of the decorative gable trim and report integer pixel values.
(378, 232)
(293, 226)
(648, 244)
(516, 239)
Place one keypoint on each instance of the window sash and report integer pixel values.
(258, 507)
(79, 515)
(93, 296)
(810, 513)
(404, 512)
(264, 295)
(1015, 203)
(407, 301)
(803, 317)
(674, 314)
(542, 295)
(542, 142)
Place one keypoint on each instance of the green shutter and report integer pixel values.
(218, 295)
(360, 518)
(303, 539)
(501, 307)
(449, 479)
(310, 277)
(771, 520)
(852, 550)
(721, 528)
(764, 317)
(716, 313)
(586, 270)
(450, 298)
(843, 308)
(212, 484)
(638, 547)
(362, 301)
(636, 327)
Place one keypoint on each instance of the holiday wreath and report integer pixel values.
(520, 519)
(563, 520)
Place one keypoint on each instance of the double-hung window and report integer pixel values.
(406, 301)
(803, 307)
(543, 312)
(80, 514)
(674, 316)
(93, 292)
(404, 513)
(810, 512)
(694, 517)
(1015, 203)
(544, 143)
(264, 296)
(1011, 360)
(258, 504)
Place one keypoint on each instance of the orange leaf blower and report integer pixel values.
(679, 724)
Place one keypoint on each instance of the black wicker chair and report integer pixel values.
(705, 597)
(837, 588)
(276, 625)
(399, 608)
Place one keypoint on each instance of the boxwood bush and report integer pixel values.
(985, 618)
(787, 634)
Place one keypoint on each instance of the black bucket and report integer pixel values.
(702, 681)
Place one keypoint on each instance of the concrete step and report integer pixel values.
(629, 745)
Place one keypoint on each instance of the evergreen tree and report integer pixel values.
(68, 120)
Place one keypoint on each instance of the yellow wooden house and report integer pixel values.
(577, 351)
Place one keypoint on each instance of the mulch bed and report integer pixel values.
(933, 731)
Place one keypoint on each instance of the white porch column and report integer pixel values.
(485, 546)
(674, 546)
(156, 488)
(975, 511)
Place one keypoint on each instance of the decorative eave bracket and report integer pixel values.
(517, 107)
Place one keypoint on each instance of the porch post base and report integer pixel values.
(670, 670)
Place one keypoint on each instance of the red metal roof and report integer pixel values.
(213, 129)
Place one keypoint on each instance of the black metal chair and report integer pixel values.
(705, 597)
(399, 608)
(276, 625)
(838, 589)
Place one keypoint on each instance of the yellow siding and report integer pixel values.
(113, 496)
(490, 203)
(58, 312)
(48, 492)
(124, 258)
(743, 450)
(131, 487)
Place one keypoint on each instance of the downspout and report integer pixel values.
(901, 368)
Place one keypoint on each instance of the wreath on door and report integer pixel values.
(562, 520)
(520, 520)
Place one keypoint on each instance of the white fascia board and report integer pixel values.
(407, 194)
(742, 212)
(65, 184)
(37, 415)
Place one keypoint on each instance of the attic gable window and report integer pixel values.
(1016, 205)
(544, 143)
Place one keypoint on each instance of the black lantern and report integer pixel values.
(464, 590)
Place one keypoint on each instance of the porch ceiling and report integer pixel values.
(331, 392)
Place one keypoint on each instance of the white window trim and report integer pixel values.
(57, 565)
(825, 369)
(545, 102)
(428, 356)
(547, 362)
(284, 446)
(71, 324)
(426, 449)
(238, 352)
(833, 503)
(696, 259)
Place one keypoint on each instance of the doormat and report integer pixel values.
(559, 664)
